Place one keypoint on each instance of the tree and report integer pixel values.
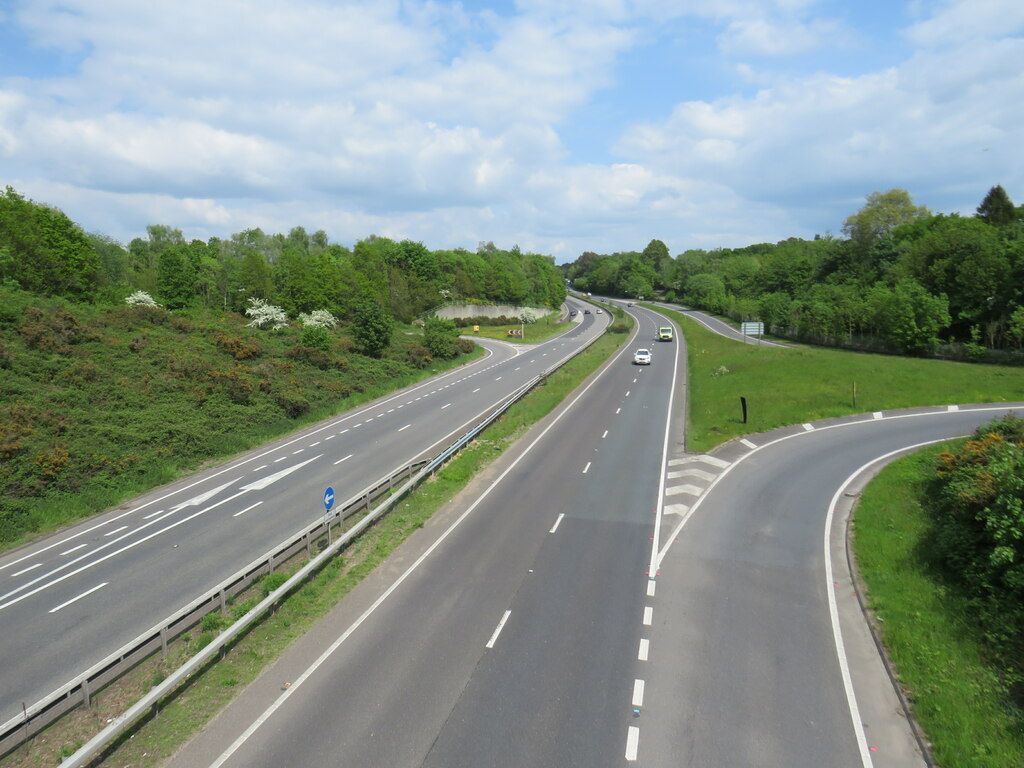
(883, 212)
(175, 278)
(371, 328)
(908, 315)
(997, 208)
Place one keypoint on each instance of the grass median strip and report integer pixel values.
(188, 711)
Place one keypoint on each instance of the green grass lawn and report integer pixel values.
(794, 385)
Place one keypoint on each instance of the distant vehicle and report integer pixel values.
(586, 311)
(630, 304)
(572, 313)
(665, 333)
(598, 311)
(642, 357)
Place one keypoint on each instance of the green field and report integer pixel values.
(799, 384)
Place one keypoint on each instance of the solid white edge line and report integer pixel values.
(497, 630)
(632, 742)
(860, 422)
(237, 743)
(76, 599)
(652, 568)
(555, 526)
(833, 609)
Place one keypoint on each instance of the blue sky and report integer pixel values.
(558, 125)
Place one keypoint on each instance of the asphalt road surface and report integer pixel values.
(69, 600)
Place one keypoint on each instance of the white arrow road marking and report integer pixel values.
(195, 501)
(262, 483)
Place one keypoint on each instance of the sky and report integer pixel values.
(560, 126)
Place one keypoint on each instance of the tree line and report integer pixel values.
(902, 279)
(44, 252)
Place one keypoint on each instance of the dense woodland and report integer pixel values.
(44, 252)
(902, 280)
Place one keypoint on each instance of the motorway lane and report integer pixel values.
(743, 657)
(562, 544)
(53, 627)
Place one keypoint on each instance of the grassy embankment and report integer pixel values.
(98, 404)
(933, 642)
(209, 692)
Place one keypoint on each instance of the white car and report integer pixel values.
(642, 357)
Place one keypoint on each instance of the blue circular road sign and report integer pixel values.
(328, 498)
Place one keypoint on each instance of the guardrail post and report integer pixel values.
(163, 642)
(86, 693)
(270, 564)
(223, 604)
(309, 550)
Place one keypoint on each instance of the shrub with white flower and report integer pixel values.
(531, 315)
(264, 314)
(140, 299)
(318, 318)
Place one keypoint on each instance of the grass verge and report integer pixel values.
(541, 330)
(799, 384)
(958, 700)
(209, 692)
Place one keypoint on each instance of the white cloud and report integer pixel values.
(436, 122)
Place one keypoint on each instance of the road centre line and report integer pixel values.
(638, 693)
(265, 466)
(151, 514)
(645, 648)
(251, 506)
(475, 391)
(343, 432)
(650, 587)
(31, 568)
(116, 530)
(604, 435)
(586, 468)
(497, 630)
(555, 526)
(402, 429)
(280, 700)
(648, 615)
(314, 445)
(445, 406)
(345, 459)
(329, 437)
(627, 393)
(76, 599)
(632, 742)
(73, 549)
(298, 451)
(617, 410)
(281, 459)
(498, 379)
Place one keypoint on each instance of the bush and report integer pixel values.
(619, 328)
(317, 337)
(977, 512)
(237, 347)
(439, 337)
(272, 582)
